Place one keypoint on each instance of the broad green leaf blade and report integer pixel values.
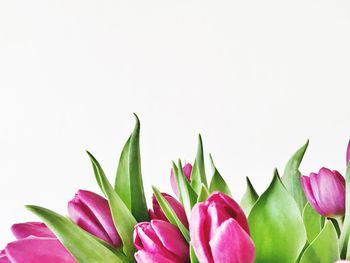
(122, 179)
(291, 177)
(122, 218)
(138, 200)
(249, 198)
(170, 214)
(203, 194)
(198, 173)
(71, 236)
(344, 237)
(217, 183)
(193, 256)
(312, 221)
(324, 248)
(188, 196)
(276, 225)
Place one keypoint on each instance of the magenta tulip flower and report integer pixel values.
(91, 212)
(187, 170)
(160, 242)
(157, 212)
(348, 154)
(35, 244)
(325, 192)
(219, 231)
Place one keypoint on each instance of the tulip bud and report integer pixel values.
(187, 170)
(36, 243)
(219, 231)
(325, 192)
(160, 242)
(348, 154)
(91, 212)
(179, 210)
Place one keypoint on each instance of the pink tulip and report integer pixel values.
(91, 212)
(348, 154)
(159, 242)
(325, 192)
(219, 231)
(187, 170)
(157, 212)
(35, 244)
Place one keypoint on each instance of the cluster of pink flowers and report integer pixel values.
(218, 227)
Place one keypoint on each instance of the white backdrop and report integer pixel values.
(256, 78)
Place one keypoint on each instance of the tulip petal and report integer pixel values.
(100, 209)
(231, 244)
(175, 205)
(232, 207)
(305, 182)
(87, 220)
(37, 229)
(3, 257)
(171, 238)
(145, 238)
(142, 256)
(198, 232)
(187, 169)
(331, 192)
(38, 250)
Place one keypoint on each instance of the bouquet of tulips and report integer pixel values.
(297, 218)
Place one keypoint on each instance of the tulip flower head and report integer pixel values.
(159, 242)
(36, 244)
(187, 170)
(157, 212)
(219, 231)
(325, 191)
(91, 212)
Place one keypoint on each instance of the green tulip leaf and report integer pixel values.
(193, 256)
(203, 194)
(122, 217)
(187, 195)
(312, 221)
(276, 225)
(217, 183)
(128, 182)
(198, 172)
(249, 198)
(122, 179)
(324, 248)
(79, 243)
(291, 177)
(344, 237)
(170, 213)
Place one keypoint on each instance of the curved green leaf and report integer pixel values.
(312, 221)
(122, 218)
(170, 214)
(276, 225)
(249, 198)
(193, 256)
(291, 177)
(324, 248)
(80, 244)
(198, 173)
(122, 179)
(217, 183)
(203, 194)
(345, 233)
(188, 196)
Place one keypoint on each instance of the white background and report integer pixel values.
(256, 78)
